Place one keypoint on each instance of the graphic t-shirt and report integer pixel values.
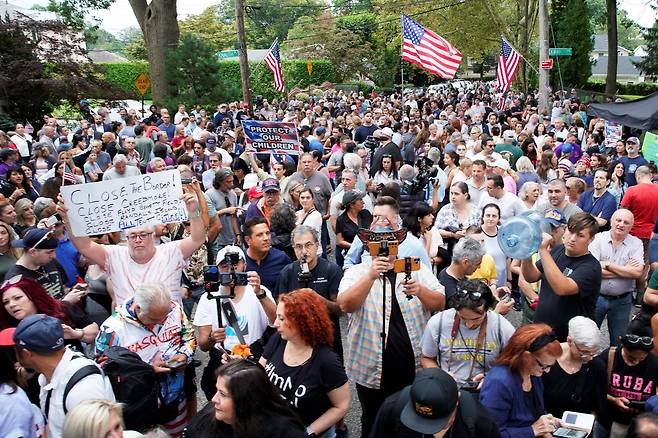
(305, 386)
(51, 276)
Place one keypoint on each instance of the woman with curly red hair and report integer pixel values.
(301, 364)
(513, 390)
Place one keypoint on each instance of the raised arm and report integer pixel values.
(198, 229)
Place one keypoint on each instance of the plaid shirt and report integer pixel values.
(363, 357)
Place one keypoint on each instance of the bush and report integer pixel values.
(123, 75)
(639, 88)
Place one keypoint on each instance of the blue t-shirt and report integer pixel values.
(602, 207)
(269, 268)
(630, 166)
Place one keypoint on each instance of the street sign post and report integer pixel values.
(560, 51)
(228, 54)
(142, 84)
(547, 64)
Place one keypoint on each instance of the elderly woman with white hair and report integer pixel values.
(574, 382)
(525, 172)
(530, 193)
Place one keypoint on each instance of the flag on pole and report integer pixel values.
(273, 61)
(68, 176)
(425, 48)
(508, 64)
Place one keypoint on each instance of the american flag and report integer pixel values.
(428, 50)
(68, 176)
(273, 61)
(508, 64)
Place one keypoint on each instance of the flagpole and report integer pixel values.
(402, 60)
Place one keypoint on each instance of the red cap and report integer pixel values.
(255, 192)
(7, 337)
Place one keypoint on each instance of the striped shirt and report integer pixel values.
(363, 356)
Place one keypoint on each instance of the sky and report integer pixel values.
(120, 15)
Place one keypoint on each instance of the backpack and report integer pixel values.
(134, 384)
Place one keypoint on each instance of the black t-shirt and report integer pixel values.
(305, 386)
(449, 283)
(389, 148)
(362, 132)
(388, 424)
(583, 391)
(636, 383)
(349, 229)
(399, 367)
(556, 310)
(51, 276)
(325, 279)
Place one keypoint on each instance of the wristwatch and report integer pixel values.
(261, 296)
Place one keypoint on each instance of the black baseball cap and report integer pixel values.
(38, 333)
(431, 400)
(37, 238)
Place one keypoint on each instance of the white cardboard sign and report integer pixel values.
(121, 204)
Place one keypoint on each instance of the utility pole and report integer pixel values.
(242, 42)
(543, 55)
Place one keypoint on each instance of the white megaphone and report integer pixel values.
(520, 236)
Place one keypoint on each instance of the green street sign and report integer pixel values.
(560, 51)
(228, 54)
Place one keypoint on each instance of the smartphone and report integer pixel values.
(176, 364)
(186, 181)
(569, 433)
(506, 297)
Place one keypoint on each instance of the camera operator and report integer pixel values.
(364, 292)
(253, 307)
(311, 271)
(412, 189)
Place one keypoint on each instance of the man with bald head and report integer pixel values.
(622, 262)
(141, 261)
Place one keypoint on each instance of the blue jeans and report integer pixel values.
(618, 312)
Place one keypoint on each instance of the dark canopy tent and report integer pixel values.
(641, 113)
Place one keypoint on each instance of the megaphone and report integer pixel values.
(521, 236)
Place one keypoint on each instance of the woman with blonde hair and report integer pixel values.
(8, 254)
(94, 419)
(25, 217)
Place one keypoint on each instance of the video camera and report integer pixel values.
(427, 174)
(213, 279)
(304, 276)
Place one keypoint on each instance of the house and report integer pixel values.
(601, 48)
(626, 70)
(98, 55)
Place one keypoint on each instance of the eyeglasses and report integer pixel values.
(544, 368)
(13, 280)
(585, 354)
(644, 341)
(45, 237)
(307, 246)
(138, 236)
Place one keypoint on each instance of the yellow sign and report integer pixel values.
(309, 66)
(142, 83)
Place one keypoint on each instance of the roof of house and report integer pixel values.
(625, 66)
(16, 12)
(601, 44)
(97, 55)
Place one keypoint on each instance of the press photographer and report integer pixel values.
(311, 271)
(374, 293)
(247, 309)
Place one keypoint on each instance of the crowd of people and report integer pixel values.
(118, 334)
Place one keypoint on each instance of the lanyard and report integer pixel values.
(479, 344)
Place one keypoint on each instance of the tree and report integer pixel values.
(649, 65)
(159, 25)
(628, 32)
(571, 27)
(74, 14)
(134, 46)
(208, 27)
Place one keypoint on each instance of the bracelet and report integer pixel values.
(261, 296)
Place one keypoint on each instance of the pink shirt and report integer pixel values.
(165, 267)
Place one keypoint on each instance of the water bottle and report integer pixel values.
(521, 236)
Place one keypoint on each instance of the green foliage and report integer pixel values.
(7, 123)
(74, 12)
(123, 75)
(134, 45)
(649, 64)
(638, 89)
(208, 27)
(565, 18)
(362, 24)
(628, 31)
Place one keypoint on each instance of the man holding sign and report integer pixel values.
(141, 261)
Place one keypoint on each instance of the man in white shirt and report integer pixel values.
(510, 205)
(39, 343)
(488, 155)
(477, 183)
(180, 114)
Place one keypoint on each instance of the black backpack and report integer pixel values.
(135, 385)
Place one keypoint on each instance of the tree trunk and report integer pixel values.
(611, 78)
(159, 24)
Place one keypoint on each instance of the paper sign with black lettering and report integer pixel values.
(121, 204)
(271, 137)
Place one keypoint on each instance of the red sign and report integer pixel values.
(547, 64)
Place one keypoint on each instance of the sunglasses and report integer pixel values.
(45, 237)
(544, 368)
(643, 341)
(472, 295)
(13, 280)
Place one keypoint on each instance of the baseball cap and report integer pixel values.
(37, 238)
(271, 184)
(38, 333)
(211, 140)
(321, 130)
(230, 134)
(250, 181)
(633, 140)
(567, 148)
(584, 160)
(351, 196)
(502, 163)
(508, 134)
(432, 398)
(255, 192)
(386, 132)
(555, 217)
(230, 248)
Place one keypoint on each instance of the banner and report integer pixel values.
(120, 204)
(271, 137)
(650, 147)
(612, 134)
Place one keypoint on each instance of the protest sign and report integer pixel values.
(271, 137)
(612, 134)
(650, 147)
(120, 204)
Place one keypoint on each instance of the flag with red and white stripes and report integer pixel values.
(425, 48)
(508, 64)
(273, 61)
(68, 176)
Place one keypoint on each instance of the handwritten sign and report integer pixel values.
(271, 137)
(120, 204)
